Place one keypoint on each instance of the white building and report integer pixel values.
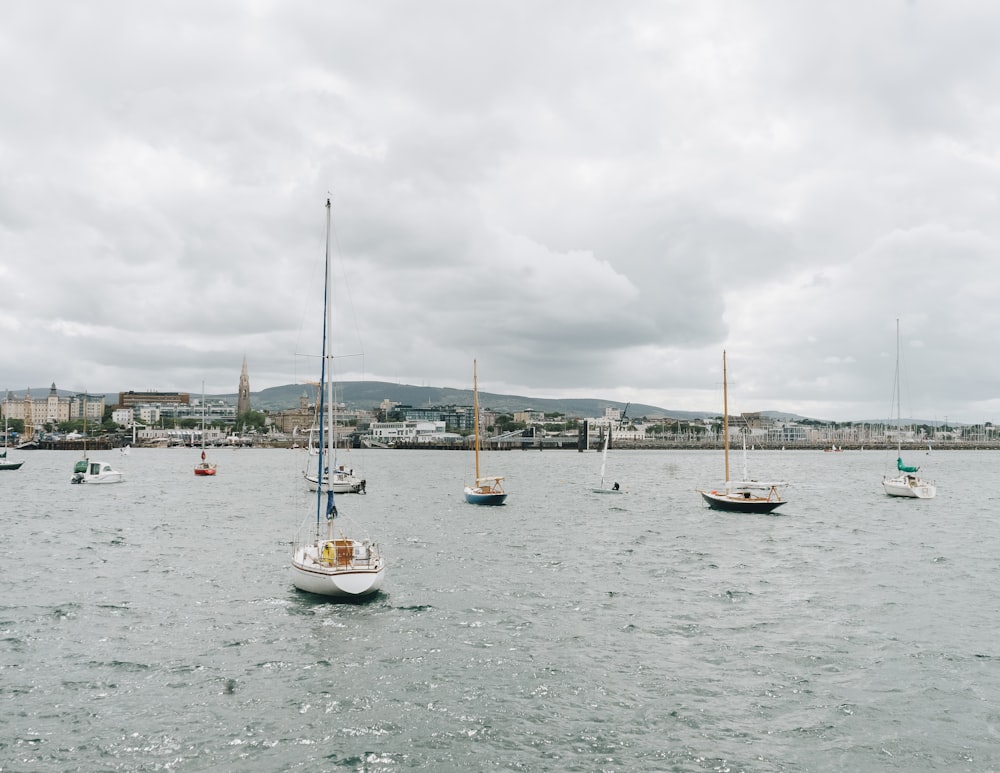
(149, 414)
(392, 432)
(123, 417)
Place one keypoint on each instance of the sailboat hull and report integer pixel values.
(343, 483)
(740, 502)
(204, 469)
(353, 578)
(10, 465)
(909, 486)
(474, 497)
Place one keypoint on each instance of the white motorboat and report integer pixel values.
(91, 471)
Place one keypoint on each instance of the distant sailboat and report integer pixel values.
(203, 468)
(747, 495)
(485, 490)
(341, 480)
(4, 464)
(906, 483)
(615, 489)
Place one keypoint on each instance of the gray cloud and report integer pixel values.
(590, 200)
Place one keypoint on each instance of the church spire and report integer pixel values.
(243, 400)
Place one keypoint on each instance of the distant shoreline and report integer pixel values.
(553, 444)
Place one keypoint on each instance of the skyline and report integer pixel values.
(448, 398)
(593, 202)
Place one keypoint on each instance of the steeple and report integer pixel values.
(243, 400)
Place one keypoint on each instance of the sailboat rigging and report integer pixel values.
(340, 479)
(485, 490)
(615, 489)
(747, 495)
(326, 561)
(906, 483)
(204, 467)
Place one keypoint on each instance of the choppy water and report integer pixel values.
(153, 626)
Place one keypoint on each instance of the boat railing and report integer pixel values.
(345, 553)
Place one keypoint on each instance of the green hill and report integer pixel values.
(370, 394)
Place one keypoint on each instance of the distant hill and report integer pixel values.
(370, 394)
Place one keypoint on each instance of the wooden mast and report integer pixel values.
(725, 414)
(475, 407)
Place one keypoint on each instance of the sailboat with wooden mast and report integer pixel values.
(905, 483)
(488, 489)
(326, 559)
(747, 495)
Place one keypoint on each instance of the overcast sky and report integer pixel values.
(594, 199)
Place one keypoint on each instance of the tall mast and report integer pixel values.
(475, 406)
(320, 457)
(203, 417)
(326, 343)
(725, 413)
(899, 407)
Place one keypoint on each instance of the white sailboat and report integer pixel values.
(486, 490)
(615, 489)
(203, 468)
(343, 479)
(4, 464)
(747, 495)
(906, 482)
(326, 560)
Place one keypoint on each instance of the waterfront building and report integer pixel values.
(214, 410)
(410, 432)
(296, 421)
(158, 436)
(131, 398)
(149, 414)
(529, 417)
(83, 404)
(53, 409)
(455, 418)
(123, 417)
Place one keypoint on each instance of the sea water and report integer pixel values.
(152, 625)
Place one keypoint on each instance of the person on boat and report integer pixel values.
(615, 487)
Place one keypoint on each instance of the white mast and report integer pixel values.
(328, 362)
